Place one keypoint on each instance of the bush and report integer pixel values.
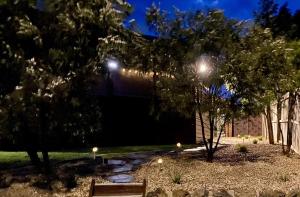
(255, 141)
(260, 138)
(242, 148)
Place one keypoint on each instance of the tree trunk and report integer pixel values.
(291, 106)
(279, 130)
(46, 161)
(43, 134)
(211, 137)
(202, 129)
(210, 155)
(232, 127)
(219, 137)
(269, 124)
(34, 158)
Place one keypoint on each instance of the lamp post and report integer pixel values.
(94, 149)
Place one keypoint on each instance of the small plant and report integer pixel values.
(260, 138)
(176, 177)
(255, 141)
(176, 174)
(284, 178)
(246, 137)
(242, 148)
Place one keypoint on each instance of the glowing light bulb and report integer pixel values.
(178, 145)
(112, 65)
(203, 67)
(160, 161)
(95, 149)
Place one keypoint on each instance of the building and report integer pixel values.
(127, 96)
(244, 126)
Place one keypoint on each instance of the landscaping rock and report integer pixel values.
(223, 193)
(125, 168)
(200, 193)
(5, 181)
(294, 193)
(269, 193)
(58, 186)
(180, 193)
(137, 162)
(115, 162)
(121, 178)
(157, 193)
(245, 194)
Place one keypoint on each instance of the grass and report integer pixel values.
(8, 158)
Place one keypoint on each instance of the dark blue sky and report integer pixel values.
(238, 9)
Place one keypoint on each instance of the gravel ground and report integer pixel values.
(265, 168)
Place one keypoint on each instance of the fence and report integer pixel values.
(284, 123)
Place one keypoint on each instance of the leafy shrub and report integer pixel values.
(255, 141)
(260, 138)
(242, 148)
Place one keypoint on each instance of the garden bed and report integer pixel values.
(265, 168)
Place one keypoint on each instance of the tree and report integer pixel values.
(293, 90)
(283, 22)
(191, 53)
(262, 60)
(52, 57)
(266, 12)
(296, 25)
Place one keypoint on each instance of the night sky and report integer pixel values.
(238, 9)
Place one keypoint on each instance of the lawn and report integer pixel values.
(8, 158)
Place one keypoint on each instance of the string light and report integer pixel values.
(150, 74)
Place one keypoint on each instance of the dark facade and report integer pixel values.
(127, 118)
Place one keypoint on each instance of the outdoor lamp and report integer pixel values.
(112, 65)
(95, 149)
(203, 67)
(178, 145)
(160, 161)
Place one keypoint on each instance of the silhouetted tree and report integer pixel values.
(266, 12)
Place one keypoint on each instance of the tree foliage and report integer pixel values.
(49, 62)
(186, 42)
